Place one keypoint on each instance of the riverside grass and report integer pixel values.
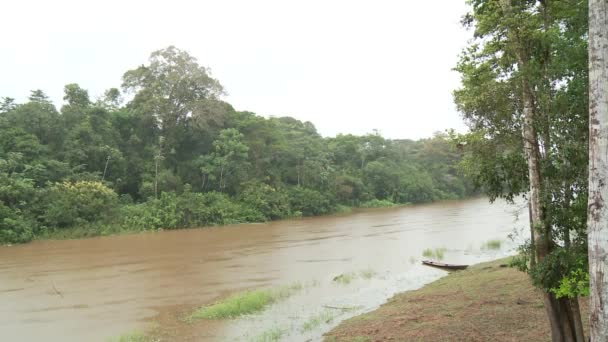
(486, 302)
(245, 303)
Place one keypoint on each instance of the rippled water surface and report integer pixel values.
(94, 289)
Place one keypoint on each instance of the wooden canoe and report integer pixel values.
(444, 265)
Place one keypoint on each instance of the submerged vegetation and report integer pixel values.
(347, 278)
(437, 253)
(245, 303)
(325, 317)
(175, 155)
(270, 335)
(492, 245)
(135, 336)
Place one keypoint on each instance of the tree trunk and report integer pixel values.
(597, 219)
(105, 169)
(532, 244)
(579, 331)
(156, 179)
(541, 241)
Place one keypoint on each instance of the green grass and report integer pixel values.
(345, 278)
(486, 302)
(437, 253)
(367, 274)
(492, 245)
(245, 303)
(315, 321)
(270, 335)
(134, 336)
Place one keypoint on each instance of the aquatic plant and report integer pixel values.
(270, 335)
(324, 317)
(344, 278)
(134, 336)
(367, 273)
(437, 253)
(245, 303)
(492, 245)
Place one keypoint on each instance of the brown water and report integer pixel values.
(93, 289)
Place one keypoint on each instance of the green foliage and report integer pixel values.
(14, 228)
(514, 80)
(309, 202)
(271, 203)
(70, 204)
(189, 209)
(376, 203)
(574, 285)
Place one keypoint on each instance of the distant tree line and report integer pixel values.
(176, 155)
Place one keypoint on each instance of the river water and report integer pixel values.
(95, 289)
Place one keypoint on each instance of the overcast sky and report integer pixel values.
(347, 66)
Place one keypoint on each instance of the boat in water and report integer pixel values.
(444, 266)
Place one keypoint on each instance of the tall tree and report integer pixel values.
(174, 92)
(598, 168)
(526, 60)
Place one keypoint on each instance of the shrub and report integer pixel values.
(189, 209)
(376, 203)
(309, 202)
(69, 204)
(271, 203)
(13, 227)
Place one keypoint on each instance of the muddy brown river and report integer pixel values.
(97, 289)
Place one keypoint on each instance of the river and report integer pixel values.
(95, 289)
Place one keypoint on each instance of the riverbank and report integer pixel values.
(487, 302)
(144, 218)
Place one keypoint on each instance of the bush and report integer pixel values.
(376, 203)
(79, 203)
(271, 203)
(309, 202)
(189, 209)
(13, 227)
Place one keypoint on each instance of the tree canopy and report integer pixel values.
(166, 152)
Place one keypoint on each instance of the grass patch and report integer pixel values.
(367, 274)
(345, 278)
(492, 245)
(270, 335)
(245, 303)
(134, 336)
(437, 253)
(325, 317)
(485, 302)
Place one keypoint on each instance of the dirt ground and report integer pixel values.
(486, 302)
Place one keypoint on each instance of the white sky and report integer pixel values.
(347, 66)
